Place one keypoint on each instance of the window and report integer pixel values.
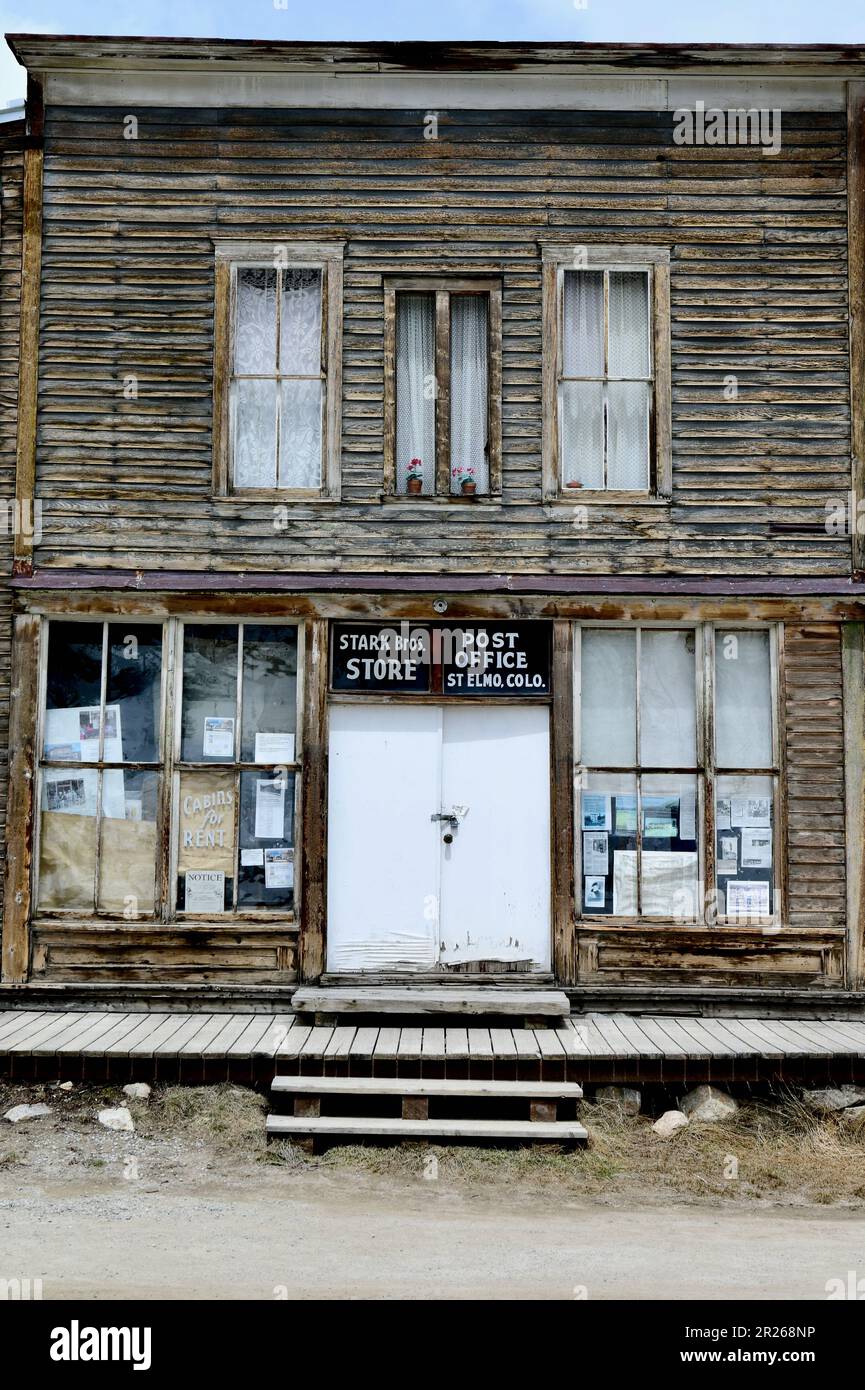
(607, 372)
(226, 786)
(663, 807)
(277, 376)
(101, 768)
(442, 388)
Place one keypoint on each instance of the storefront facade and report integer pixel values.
(414, 596)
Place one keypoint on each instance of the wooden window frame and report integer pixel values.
(99, 766)
(705, 772)
(169, 770)
(655, 260)
(444, 287)
(278, 254)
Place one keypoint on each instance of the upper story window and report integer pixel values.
(607, 399)
(277, 369)
(442, 387)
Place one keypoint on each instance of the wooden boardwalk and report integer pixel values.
(106, 1044)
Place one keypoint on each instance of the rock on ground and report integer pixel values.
(627, 1097)
(828, 1099)
(709, 1105)
(117, 1118)
(26, 1112)
(670, 1121)
(137, 1090)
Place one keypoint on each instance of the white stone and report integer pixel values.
(65, 1085)
(853, 1115)
(626, 1097)
(670, 1121)
(137, 1090)
(26, 1112)
(118, 1118)
(828, 1099)
(709, 1105)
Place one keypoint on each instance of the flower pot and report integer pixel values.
(469, 487)
(415, 485)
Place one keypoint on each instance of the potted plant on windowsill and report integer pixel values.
(464, 474)
(414, 477)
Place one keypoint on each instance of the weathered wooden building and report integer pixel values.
(443, 468)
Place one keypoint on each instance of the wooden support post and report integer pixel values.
(562, 846)
(313, 847)
(856, 280)
(19, 810)
(308, 1107)
(853, 657)
(543, 1111)
(415, 1107)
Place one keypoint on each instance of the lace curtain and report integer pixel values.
(605, 421)
(469, 391)
(415, 388)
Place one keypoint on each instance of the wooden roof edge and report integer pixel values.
(58, 52)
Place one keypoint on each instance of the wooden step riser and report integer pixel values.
(419, 1085)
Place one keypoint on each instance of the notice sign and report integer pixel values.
(490, 659)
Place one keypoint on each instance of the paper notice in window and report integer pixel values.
(596, 857)
(269, 810)
(596, 811)
(669, 885)
(274, 749)
(218, 737)
(205, 891)
(747, 899)
(625, 883)
(279, 868)
(251, 858)
(688, 816)
(722, 813)
(756, 848)
(755, 811)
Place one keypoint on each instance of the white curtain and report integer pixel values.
(470, 391)
(583, 335)
(415, 388)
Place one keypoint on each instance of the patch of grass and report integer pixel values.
(779, 1151)
(226, 1117)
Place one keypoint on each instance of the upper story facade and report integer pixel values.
(478, 309)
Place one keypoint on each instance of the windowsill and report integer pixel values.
(276, 496)
(180, 924)
(576, 496)
(415, 499)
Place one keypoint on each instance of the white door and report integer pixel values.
(495, 876)
(407, 892)
(383, 849)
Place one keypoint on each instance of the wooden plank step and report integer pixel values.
(425, 1086)
(421, 999)
(547, 1131)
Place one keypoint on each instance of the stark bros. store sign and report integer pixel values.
(489, 659)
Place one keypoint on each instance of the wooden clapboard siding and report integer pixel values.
(11, 225)
(245, 953)
(758, 292)
(814, 755)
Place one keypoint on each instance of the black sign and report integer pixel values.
(458, 659)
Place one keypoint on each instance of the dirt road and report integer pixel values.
(355, 1236)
